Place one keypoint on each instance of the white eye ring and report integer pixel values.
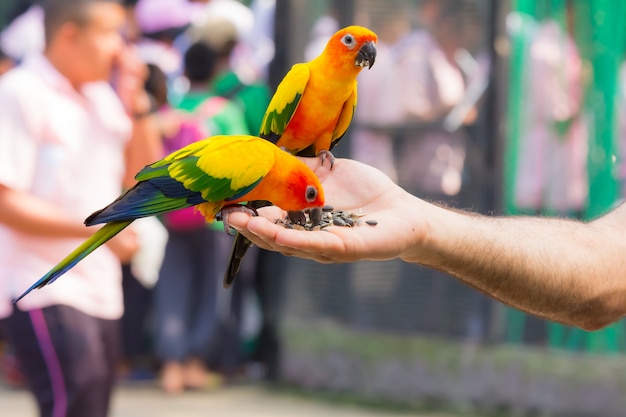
(349, 41)
(311, 194)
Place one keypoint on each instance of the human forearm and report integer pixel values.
(558, 269)
(30, 215)
(144, 148)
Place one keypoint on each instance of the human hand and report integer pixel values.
(131, 73)
(352, 186)
(124, 245)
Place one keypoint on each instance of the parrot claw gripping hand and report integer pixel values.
(215, 175)
(226, 211)
(313, 106)
(326, 154)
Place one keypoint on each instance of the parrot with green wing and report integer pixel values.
(313, 107)
(215, 175)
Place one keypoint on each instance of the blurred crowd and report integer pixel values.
(167, 73)
(97, 89)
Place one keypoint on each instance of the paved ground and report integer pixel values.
(238, 401)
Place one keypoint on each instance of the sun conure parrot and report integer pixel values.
(315, 102)
(215, 175)
(313, 106)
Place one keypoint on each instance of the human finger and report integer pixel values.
(315, 243)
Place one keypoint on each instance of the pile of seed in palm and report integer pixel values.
(319, 219)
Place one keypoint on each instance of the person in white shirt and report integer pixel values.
(67, 145)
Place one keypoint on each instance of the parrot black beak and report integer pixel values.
(366, 55)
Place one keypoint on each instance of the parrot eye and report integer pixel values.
(311, 193)
(348, 40)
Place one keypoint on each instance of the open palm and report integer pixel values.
(353, 186)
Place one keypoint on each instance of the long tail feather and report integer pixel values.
(94, 242)
(240, 247)
(147, 198)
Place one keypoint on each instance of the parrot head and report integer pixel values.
(353, 46)
(290, 185)
(305, 190)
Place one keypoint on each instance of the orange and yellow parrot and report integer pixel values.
(315, 102)
(313, 106)
(215, 175)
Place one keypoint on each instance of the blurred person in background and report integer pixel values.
(185, 297)
(380, 107)
(137, 361)
(323, 28)
(9, 367)
(161, 24)
(235, 352)
(68, 143)
(552, 161)
(223, 35)
(260, 47)
(254, 49)
(430, 158)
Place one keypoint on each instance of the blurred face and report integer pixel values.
(97, 44)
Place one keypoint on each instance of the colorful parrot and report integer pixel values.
(215, 175)
(313, 106)
(314, 103)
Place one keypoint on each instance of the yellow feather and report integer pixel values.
(292, 84)
(255, 159)
(346, 115)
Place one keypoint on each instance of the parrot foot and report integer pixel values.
(300, 217)
(227, 210)
(315, 215)
(297, 217)
(327, 154)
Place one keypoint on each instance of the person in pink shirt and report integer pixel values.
(552, 161)
(67, 145)
(380, 107)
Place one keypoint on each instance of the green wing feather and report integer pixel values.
(219, 168)
(284, 102)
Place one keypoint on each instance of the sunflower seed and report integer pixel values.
(320, 219)
(337, 221)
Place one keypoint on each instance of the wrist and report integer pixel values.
(417, 226)
(433, 234)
